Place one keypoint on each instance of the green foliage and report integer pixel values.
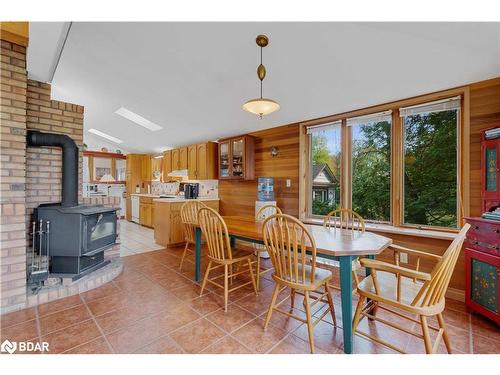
(371, 171)
(430, 174)
(322, 208)
(430, 177)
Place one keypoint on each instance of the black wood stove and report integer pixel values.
(79, 234)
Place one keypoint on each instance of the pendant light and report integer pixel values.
(261, 106)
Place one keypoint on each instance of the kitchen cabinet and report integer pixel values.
(237, 158)
(180, 158)
(96, 164)
(192, 162)
(146, 212)
(202, 161)
(169, 229)
(166, 165)
(135, 176)
(183, 158)
(156, 168)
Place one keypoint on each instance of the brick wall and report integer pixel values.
(12, 174)
(43, 164)
(29, 176)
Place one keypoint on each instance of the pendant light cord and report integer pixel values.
(259, 77)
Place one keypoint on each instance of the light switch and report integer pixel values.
(288, 182)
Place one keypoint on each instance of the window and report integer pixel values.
(400, 166)
(371, 166)
(325, 146)
(430, 163)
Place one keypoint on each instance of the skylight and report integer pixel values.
(104, 135)
(139, 120)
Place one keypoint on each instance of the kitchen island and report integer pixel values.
(167, 219)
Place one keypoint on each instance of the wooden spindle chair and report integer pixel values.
(410, 290)
(345, 218)
(220, 252)
(287, 241)
(189, 217)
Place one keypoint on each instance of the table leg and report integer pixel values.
(232, 241)
(197, 254)
(346, 298)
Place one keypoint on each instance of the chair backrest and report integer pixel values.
(215, 231)
(434, 290)
(189, 217)
(266, 211)
(287, 241)
(344, 218)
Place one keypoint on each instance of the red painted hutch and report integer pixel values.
(482, 252)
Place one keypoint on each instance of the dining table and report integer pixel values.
(342, 245)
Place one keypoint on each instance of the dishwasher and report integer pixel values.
(135, 208)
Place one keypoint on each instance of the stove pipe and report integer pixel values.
(69, 162)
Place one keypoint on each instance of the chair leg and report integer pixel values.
(271, 306)
(330, 304)
(252, 277)
(292, 298)
(357, 314)
(205, 278)
(425, 332)
(226, 287)
(445, 334)
(184, 255)
(257, 272)
(310, 326)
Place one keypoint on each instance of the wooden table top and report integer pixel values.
(329, 241)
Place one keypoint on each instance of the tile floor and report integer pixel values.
(154, 308)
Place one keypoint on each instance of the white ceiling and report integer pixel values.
(192, 78)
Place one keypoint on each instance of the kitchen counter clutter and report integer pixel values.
(167, 219)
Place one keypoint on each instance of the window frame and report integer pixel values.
(397, 159)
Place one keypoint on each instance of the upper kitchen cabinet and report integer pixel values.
(202, 161)
(180, 158)
(156, 168)
(236, 158)
(166, 164)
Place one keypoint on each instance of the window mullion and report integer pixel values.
(346, 170)
(397, 169)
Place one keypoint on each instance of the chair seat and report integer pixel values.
(238, 254)
(387, 283)
(321, 276)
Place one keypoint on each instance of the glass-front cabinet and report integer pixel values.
(236, 158)
(224, 159)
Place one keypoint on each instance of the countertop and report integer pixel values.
(145, 195)
(182, 199)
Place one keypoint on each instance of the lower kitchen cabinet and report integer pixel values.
(146, 212)
(168, 226)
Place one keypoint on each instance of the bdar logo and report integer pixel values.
(9, 347)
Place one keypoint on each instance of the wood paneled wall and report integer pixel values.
(238, 197)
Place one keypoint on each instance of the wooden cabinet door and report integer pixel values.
(176, 228)
(175, 159)
(146, 168)
(183, 158)
(192, 160)
(152, 216)
(142, 214)
(201, 161)
(166, 165)
(224, 160)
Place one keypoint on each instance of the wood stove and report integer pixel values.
(79, 234)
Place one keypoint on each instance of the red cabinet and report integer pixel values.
(490, 173)
(482, 264)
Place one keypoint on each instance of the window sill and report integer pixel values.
(384, 228)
